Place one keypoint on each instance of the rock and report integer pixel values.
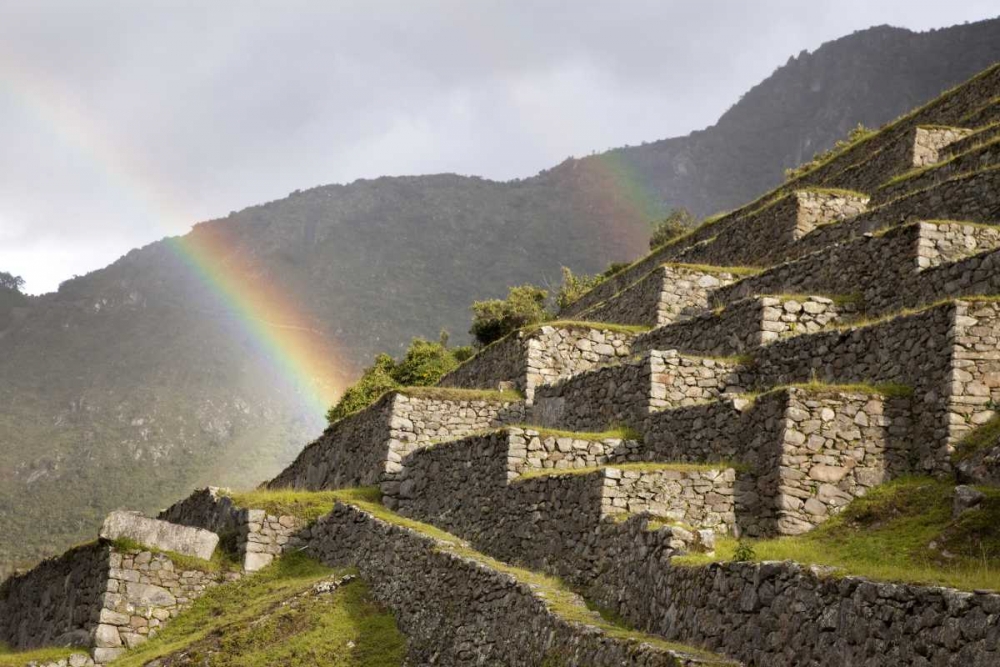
(965, 499)
(160, 534)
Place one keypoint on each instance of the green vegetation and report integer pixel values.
(886, 389)
(220, 562)
(574, 286)
(616, 433)
(249, 623)
(583, 324)
(306, 505)
(901, 531)
(678, 222)
(919, 171)
(424, 363)
(459, 394)
(859, 134)
(636, 467)
(978, 439)
(12, 658)
(496, 318)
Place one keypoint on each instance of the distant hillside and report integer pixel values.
(134, 383)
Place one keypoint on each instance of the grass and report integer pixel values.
(838, 299)
(708, 268)
(901, 531)
(972, 114)
(837, 192)
(12, 658)
(558, 597)
(886, 389)
(616, 433)
(636, 467)
(582, 324)
(984, 437)
(251, 623)
(306, 505)
(220, 562)
(456, 394)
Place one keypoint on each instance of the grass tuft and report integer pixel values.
(984, 437)
(457, 394)
(902, 531)
(615, 433)
(13, 658)
(220, 562)
(306, 505)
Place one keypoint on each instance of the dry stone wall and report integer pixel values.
(367, 447)
(456, 610)
(744, 326)
(625, 394)
(526, 360)
(670, 293)
(973, 160)
(256, 536)
(784, 615)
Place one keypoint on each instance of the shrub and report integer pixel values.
(677, 222)
(495, 318)
(574, 286)
(744, 552)
(424, 363)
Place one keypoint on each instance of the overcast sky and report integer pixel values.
(122, 122)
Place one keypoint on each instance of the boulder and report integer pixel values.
(161, 535)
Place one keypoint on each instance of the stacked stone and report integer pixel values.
(269, 536)
(973, 160)
(703, 498)
(526, 360)
(74, 660)
(144, 591)
(531, 449)
(669, 293)
(627, 393)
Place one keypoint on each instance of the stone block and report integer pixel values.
(160, 534)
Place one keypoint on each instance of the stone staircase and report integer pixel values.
(749, 379)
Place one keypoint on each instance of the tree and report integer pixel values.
(11, 282)
(677, 222)
(495, 318)
(574, 286)
(424, 363)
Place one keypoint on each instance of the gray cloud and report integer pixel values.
(122, 122)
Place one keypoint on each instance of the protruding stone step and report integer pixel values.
(257, 537)
(627, 393)
(886, 267)
(946, 354)
(745, 325)
(365, 448)
(541, 355)
(981, 135)
(807, 450)
(768, 235)
(670, 293)
(976, 158)
(157, 534)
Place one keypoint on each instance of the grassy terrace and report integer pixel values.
(902, 531)
(984, 437)
(11, 658)
(221, 561)
(636, 467)
(919, 171)
(617, 433)
(456, 394)
(559, 598)
(887, 389)
(254, 623)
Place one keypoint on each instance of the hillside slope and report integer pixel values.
(135, 383)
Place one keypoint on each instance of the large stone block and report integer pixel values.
(160, 534)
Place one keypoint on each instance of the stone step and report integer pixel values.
(745, 325)
(366, 447)
(981, 135)
(978, 157)
(946, 354)
(256, 536)
(457, 604)
(892, 269)
(767, 235)
(626, 394)
(541, 355)
(557, 520)
(669, 293)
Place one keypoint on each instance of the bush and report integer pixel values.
(677, 222)
(494, 319)
(574, 286)
(424, 363)
(744, 552)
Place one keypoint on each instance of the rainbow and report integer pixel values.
(300, 351)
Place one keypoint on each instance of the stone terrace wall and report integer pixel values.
(764, 237)
(969, 197)
(975, 378)
(971, 161)
(525, 361)
(144, 591)
(670, 293)
(257, 537)
(781, 615)
(55, 603)
(746, 325)
(627, 393)
(981, 136)
(366, 447)
(447, 605)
